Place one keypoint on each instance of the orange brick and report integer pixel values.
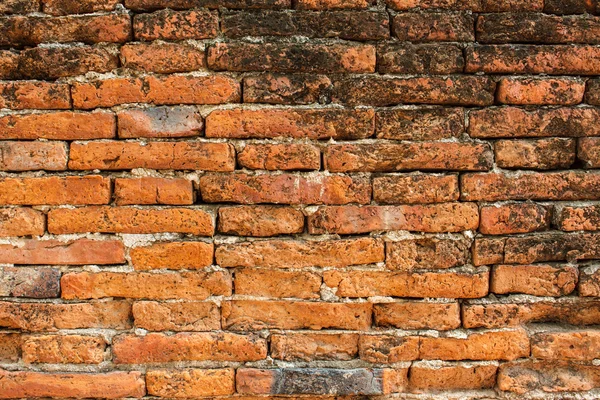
(31, 156)
(176, 25)
(64, 7)
(577, 345)
(186, 316)
(488, 250)
(589, 283)
(418, 315)
(314, 346)
(190, 382)
(55, 190)
(283, 157)
(277, 284)
(172, 255)
(588, 150)
(425, 379)
(153, 191)
(555, 91)
(32, 94)
(286, 88)
(10, 347)
(555, 153)
(162, 58)
(64, 349)
(383, 349)
(537, 280)
(426, 253)
(578, 218)
(420, 124)
(514, 218)
(113, 27)
(56, 252)
(63, 125)
(419, 189)
(260, 220)
(160, 122)
(21, 222)
(332, 4)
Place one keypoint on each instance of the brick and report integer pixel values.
(420, 124)
(415, 189)
(537, 28)
(277, 284)
(56, 252)
(554, 91)
(488, 250)
(513, 218)
(163, 58)
(383, 349)
(172, 255)
(289, 89)
(284, 57)
(419, 59)
(407, 284)
(314, 346)
(285, 157)
(512, 122)
(64, 349)
(31, 94)
(350, 25)
(293, 123)
(130, 220)
(332, 4)
(260, 221)
(150, 5)
(592, 96)
(588, 151)
(553, 153)
(579, 218)
(494, 345)
(446, 217)
(379, 157)
(160, 348)
(143, 285)
(473, 5)
(300, 254)
(284, 189)
(417, 315)
(551, 247)
(21, 222)
(149, 190)
(9, 64)
(48, 317)
(533, 59)
(434, 27)
(589, 283)
(565, 186)
(19, 384)
(19, 6)
(536, 280)
(160, 122)
(186, 316)
(64, 125)
(159, 90)
(37, 283)
(65, 7)
(32, 156)
(425, 379)
(568, 6)
(190, 382)
(176, 25)
(10, 347)
(89, 29)
(577, 345)
(256, 315)
(384, 91)
(426, 253)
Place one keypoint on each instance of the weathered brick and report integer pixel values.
(64, 349)
(473, 5)
(114, 27)
(254, 315)
(284, 57)
(425, 378)
(513, 218)
(9, 64)
(420, 124)
(176, 25)
(577, 345)
(426, 253)
(19, 6)
(579, 218)
(277, 284)
(162, 58)
(21, 222)
(294, 123)
(589, 282)
(568, 6)
(552, 91)
(32, 156)
(551, 247)
(160, 122)
(65, 7)
(283, 157)
(419, 59)
(379, 157)
(10, 347)
(314, 346)
(56, 252)
(186, 316)
(382, 91)
(150, 5)
(190, 382)
(149, 190)
(434, 27)
(415, 189)
(553, 153)
(592, 95)
(488, 250)
(172, 255)
(446, 217)
(300, 254)
(383, 349)
(32, 94)
(408, 284)
(289, 89)
(332, 4)
(417, 315)
(161, 348)
(38, 283)
(64, 125)
(588, 151)
(260, 221)
(284, 189)
(536, 280)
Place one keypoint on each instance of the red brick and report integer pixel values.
(64, 349)
(163, 58)
(19, 6)
(551, 247)
(588, 151)
(65, 125)
(589, 282)
(514, 218)
(34, 282)
(55, 252)
(294, 123)
(488, 250)
(420, 124)
(434, 27)
(9, 64)
(112, 385)
(186, 316)
(426, 253)
(32, 156)
(160, 122)
(379, 157)
(415, 189)
(446, 217)
(190, 382)
(150, 190)
(277, 283)
(114, 27)
(284, 189)
(286, 88)
(419, 59)
(31, 94)
(536, 280)
(256, 315)
(417, 315)
(260, 221)
(172, 255)
(314, 346)
(554, 91)
(473, 5)
(10, 347)
(425, 379)
(592, 95)
(55, 190)
(64, 7)
(176, 25)
(160, 348)
(577, 345)
(143, 285)
(300, 254)
(388, 349)
(130, 220)
(332, 4)
(297, 57)
(283, 157)
(150, 5)
(578, 218)
(21, 222)
(175, 89)
(553, 153)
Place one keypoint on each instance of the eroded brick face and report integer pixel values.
(299, 199)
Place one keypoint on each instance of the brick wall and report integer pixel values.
(311, 198)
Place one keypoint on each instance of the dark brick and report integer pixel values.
(287, 89)
(37, 283)
(419, 59)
